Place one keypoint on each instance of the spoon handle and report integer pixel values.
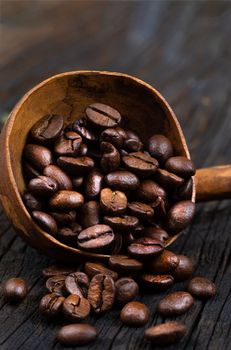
(213, 183)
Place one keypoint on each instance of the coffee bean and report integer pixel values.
(38, 156)
(113, 202)
(157, 282)
(47, 129)
(135, 314)
(77, 182)
(118, 242)
(64, 218)
(51, 305)
(122, 132)
(144, 248)
(83, 149)
(92, 269)
(58, 270)
(141, 210)
(164, 263)
(180, 166)
(69, 235)
(110, 160)
(43, 186)
(140, 163)
(62, 179)
(31, 202)
(101, 293)
(77, 283)
(168, 180)
(93, 184)
(56, 285)
(156, 233)
(184, 269)
(15, 289)
(90, 214)
(132, 142)
(185, 191)
(97, 237)
(113, 136)
(122, 180)
(174, 304)
(122, 223)
(201, 287)
(160, 147)
(68, 144)
(76, 308)
(66, 200)
(126, 290)
(103, 116)
(179, 216)
(29, 170)
(88, 135)
(124, 264)
(149, 191)
(45, 221)
(166, 333)
(79, 165)
(76, 334)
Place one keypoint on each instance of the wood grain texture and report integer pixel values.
(182, 49)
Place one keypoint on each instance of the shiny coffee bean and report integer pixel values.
(103, 116)
(184, 269)
(88, 135)
(145, 248)
(122, 223)
(149, 191)
(58, 270)
(77, 182)
(160, 147)
(164, 263)
(93, 184)
(45, 221)
(113, 202)
(135, 314)
(38, 156)
(76, 308)
(68, 144)
(140, 163)
(124, 264)
(64, 218)
(118, 244)
(92, 269)
(66, 200)
(110, 160)
(132, 142)
(83, 149)
(156, 233)
(15, 289)
(166, 333)
(43, 186)
(47, 129)
(56, 284)
(51, 305)
(77, 283)
(141, 210)
(168, 180)
(174, 304)
(185, 191)
(31, 202)
(179, 216)
(73, 166)
(122, 132)
(122, 180)
(101, 293)
(113, 136)
(157, 282)
(126, 290)
(57, 174)
(97, 237)
(180, 166)
(201, 287)
(76, 334)
(90, 214)
(29, 170)
(69, 235)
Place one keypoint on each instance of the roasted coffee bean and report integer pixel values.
(179, 216)
(174, 304)
(122, 132)
(201, 287)
(31, 202)
(113, 202)
(68, 144)
(133, 142)
(122, 180)
(124, 264)
(135, 314)
(56, 284)
(29, 170)
(122, 223)
(51, 305)
(184, 269)
(76, 334)
(47, 129)
(101, 293)
(126, 290)
(43, 186)
(58, 270)
(15, 289)
(62, 179)
(66, 200)
(97, 237)
(45, 221)
(156, 233)
(185, 191)
(38, 156)
(92, 269)
(141, 210)
(168, 180)
(77, 182)
(110, 160)
(113, 136)
(140, 163)
(93, 184)
(145, 247)
(103, 116)
(83, 150)
(164, 263)
(160, 147)
(128, 238)
(149, 191)
(157, 282)
(166, 333)
(64, 218)
(69, 235)
(77, 283)
(76, 308)
(118, 243)
(90, 214)
(73, 166)
(88, 135)
(180, 166)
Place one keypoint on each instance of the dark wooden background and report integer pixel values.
(182, 49)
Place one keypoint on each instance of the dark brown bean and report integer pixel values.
(45, 221)
(92, 269)
(126, 290)
(101, 293)
(78, 165)
(113, 136)
(122, 180)
(64, 218)
(15, 289)
(77, 181)
(180, 166)
(47, 129)
(157, 282)
(43, 186)
(76, 308)
(83, 149)
(90, 214)
(140, 163)
(118, 242)
(29, 170)
(124, 264)
(103, 116)
(141, 210)
(166, 333)
(38, 156)
(185, 191)
(145, 248)
(113, 202)
(201, 287)
(174, 304)
(96, 238)
(68, 144)
(184, 269)
(51, 305)
(88, 135)
(156, 233)
(135, 314)
(110, 160)
(56, 284)
(164, 263)
(66, 200)
(93, 184)
(58, 270)
(77, 283)
(149, 191)
(160, 147)
(31, 202)
(179, 216)
(168, 180)
(133, 142)
(76, 334)
(123, 223)
(69, 235)
(62, 179)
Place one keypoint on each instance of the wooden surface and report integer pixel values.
(182, 49)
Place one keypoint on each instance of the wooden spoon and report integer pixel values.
(143, 109)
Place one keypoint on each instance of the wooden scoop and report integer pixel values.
(143, 109)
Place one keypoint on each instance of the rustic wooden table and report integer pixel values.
(182, 49)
